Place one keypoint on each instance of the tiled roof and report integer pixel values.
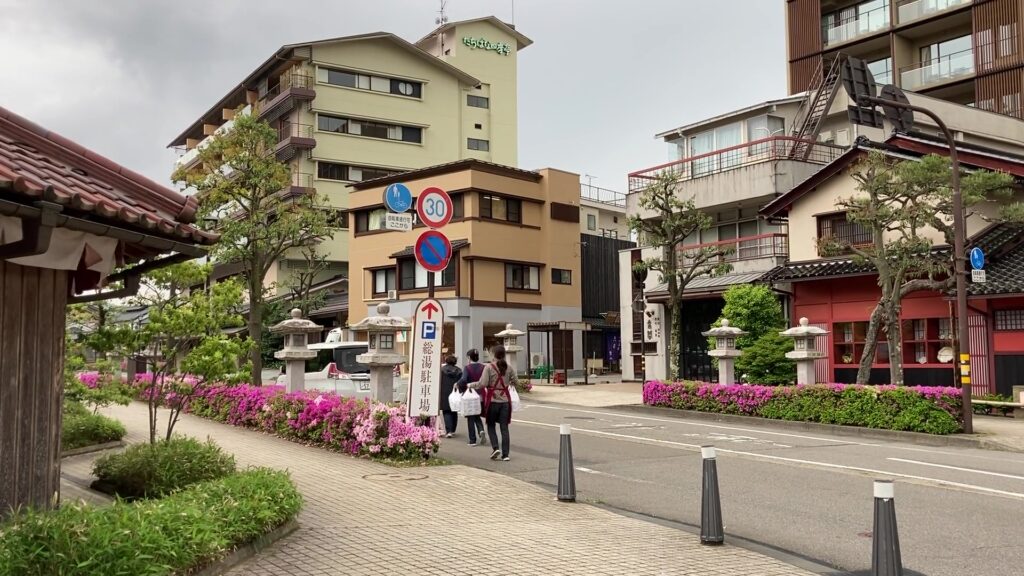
(1003, 245)
(37, 164)
(710, 283)
(408, 250)
(817, 270)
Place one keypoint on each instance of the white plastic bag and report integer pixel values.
(454, 400)
(471, 403)
(513, 396)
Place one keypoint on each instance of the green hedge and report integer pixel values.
(82, 428)
(155, 470)
(172, 535)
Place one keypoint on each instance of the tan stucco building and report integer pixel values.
(361, 107)
(516, 240)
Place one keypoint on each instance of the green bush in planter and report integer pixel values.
(155, 470)
(82, 428)
(172, 535)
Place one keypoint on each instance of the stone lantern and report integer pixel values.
(295, 331)
(382, 357)
(725, 350)
(510, 339)
(804, 352)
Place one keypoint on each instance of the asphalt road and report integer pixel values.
(960, 511)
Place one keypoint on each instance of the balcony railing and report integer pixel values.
(292, 130)
(865, 23)
(771, 245)
(765, 150)
(292, 80)
(922, 8)
(602, 195)
(937, 71)
(190, 156)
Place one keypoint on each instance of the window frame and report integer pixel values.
(526, 271)
(480, 144)
(346, 124)
(447, 278)
(833, 218)
(384, 271)
(561, 276)
(483, 102)
(370, 82)
(513, 208)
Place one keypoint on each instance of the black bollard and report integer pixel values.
(885, 539)
(566, 473)
(711, 531)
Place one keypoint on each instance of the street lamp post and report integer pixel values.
(860, 85)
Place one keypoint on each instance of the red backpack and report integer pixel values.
(489, 391)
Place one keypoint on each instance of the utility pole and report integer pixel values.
(860, 85)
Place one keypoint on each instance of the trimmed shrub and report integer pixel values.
(155, 470)
(344, 424)
(172, 535)
(933, 410)
(82, 428)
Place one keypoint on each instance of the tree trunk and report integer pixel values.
(894, 331)
(870, 344)
(681, 337)
(255, 323)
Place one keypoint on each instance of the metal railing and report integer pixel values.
(770, 245)
(293, 130)
(718, 161)
(302, 179)
(921, 8)
(938, 70)
(865, 23)
(602, 195)
(289, 80)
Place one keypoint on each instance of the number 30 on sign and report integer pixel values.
(434, 207)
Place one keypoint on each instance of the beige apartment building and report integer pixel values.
(517, 248)
(362, 107)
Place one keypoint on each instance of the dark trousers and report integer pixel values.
(474, 423)
(451, 421)
(499, 414)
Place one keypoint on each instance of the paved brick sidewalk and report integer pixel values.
(364, 518)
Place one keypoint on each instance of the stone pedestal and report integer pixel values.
(295, 374)
(804, 352)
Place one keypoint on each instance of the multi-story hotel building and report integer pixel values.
(361, 107)
(964, 51)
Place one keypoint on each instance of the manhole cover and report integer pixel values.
(394, 477)
(579, 417)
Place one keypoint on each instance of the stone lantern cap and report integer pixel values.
(804, 331)
(510, 332)
(296, 325)
(725, 331)
(382, 322)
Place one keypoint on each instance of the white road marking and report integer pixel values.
(599, 473)
(974, 470)
(811, 463)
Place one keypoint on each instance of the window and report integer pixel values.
(761, 127)
(478, 101)
(369, 220)
(478, 144)
(948, 58)
(1011, 104)
(560, 276)
(338, 219)
(591, 222)
(370, 129)
(522, 277)
(344, 172)
(498, 208)
(1009, 319)
(881, 70)
(367, 82)
(1007, 39)
(842, 232)
(478, 126)
(412, 276)
(383, 280)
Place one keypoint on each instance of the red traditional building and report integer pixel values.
(68, 219)
(838, 293)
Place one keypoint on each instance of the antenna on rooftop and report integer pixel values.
(442, 16)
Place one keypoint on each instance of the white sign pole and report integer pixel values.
(425, 368)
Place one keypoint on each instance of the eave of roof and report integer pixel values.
(448, 168)
(741, 111)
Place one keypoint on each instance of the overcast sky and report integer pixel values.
(123, 77)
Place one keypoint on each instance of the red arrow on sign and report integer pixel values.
(429, 309)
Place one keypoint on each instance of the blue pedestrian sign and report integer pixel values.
(977, 258)
(398, 197)
(433, 250)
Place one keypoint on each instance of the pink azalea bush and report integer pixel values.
(930, 409)
(344, 424)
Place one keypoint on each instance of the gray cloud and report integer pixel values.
(125, 76)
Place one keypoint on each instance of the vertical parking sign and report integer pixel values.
(425, 368)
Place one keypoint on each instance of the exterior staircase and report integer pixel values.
(816, 104)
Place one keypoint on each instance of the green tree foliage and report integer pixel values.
(757, 310)
(245, 188)
(665, 222)
(902, 205)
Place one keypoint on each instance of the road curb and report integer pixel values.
(93, 448)
(920, 438)
(248, 550)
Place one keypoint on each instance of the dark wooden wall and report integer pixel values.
(803, 48)
(599, 267)
(32, 302)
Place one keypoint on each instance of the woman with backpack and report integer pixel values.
(495, 382)
(450, 374)
(471, 373)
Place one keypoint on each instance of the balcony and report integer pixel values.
(602, 196)
(291, 138)
(191, 156)
(766, 150)
(771, 245)
(918, 9)
(280, 99)
(938, 71)
(865, 23)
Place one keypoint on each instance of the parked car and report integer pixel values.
(336, 369)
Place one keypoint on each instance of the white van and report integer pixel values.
(335, 369)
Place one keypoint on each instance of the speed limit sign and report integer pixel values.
(434, 207)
